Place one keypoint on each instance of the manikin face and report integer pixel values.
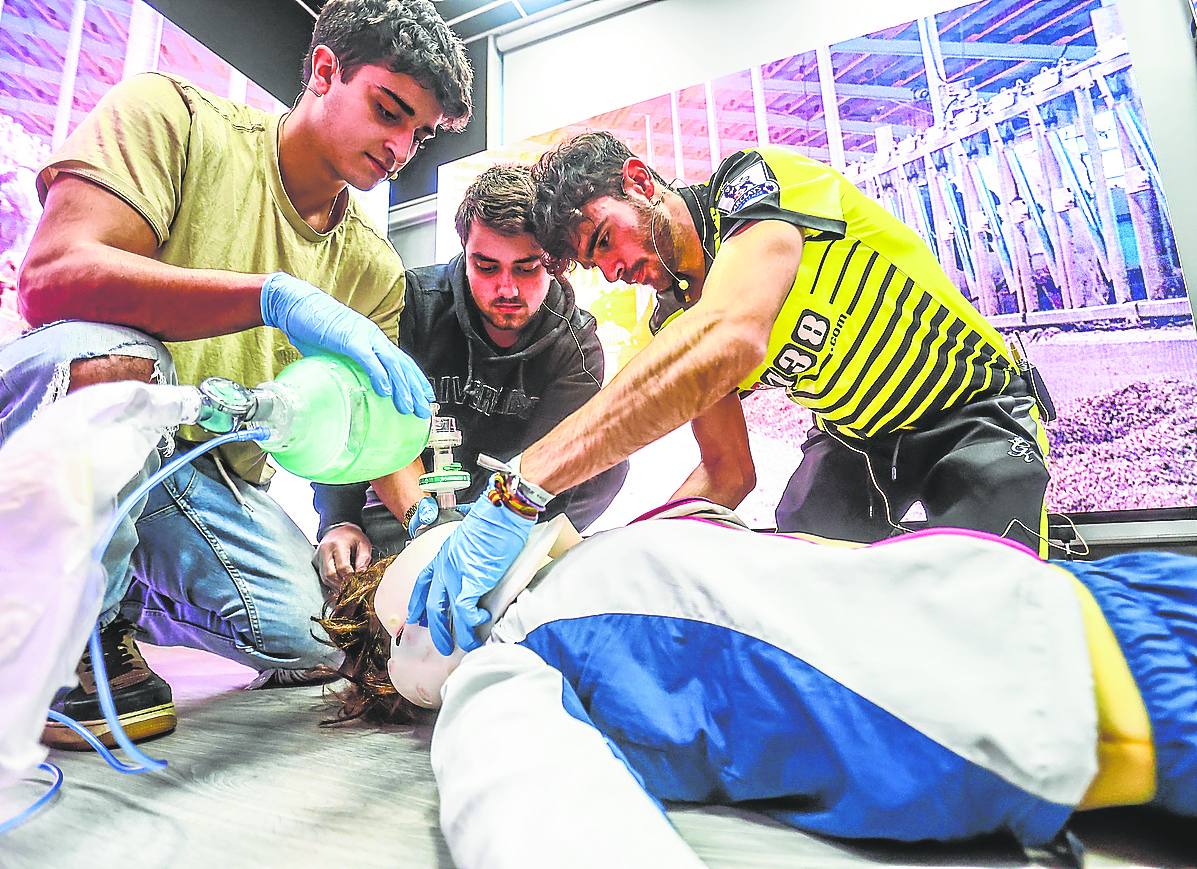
(417, 670)
(374, 122)
(507, 278)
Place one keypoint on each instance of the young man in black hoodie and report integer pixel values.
(509, 354)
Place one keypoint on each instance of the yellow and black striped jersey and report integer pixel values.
(873, 337)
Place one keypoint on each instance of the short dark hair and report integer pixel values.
(408, 36)
(501, 197)
(569, 176)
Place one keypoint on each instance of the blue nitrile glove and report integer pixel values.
(470, 563)
(313, 320)
(425, 515)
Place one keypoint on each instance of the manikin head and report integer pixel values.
(504, 263)
(369, 641)
(380, 77)
(601, 206)
(393, 669)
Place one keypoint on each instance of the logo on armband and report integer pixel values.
(751, 185)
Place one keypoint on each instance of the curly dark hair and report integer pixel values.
(568, 177)
(410, 37)
(353, 627)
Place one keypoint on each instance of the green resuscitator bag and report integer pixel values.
(325, 421)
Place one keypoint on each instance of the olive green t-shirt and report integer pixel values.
(203, 171)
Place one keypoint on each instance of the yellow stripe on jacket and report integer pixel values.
(1125, 752)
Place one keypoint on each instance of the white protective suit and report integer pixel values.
(59, 479)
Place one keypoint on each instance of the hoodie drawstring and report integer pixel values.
(228, 481)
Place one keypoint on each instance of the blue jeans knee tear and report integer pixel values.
(60, 381)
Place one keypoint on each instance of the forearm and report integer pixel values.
(400, 490)
(715, 485)
(337, 504)
(94, 281)
(725, 472)
(682, 373)
(686, 369)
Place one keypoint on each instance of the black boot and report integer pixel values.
(143, 701)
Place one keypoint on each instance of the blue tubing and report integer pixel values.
(94, 741)
(144, 763)
(27, 813)
(252, 433)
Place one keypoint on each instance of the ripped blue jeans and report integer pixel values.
(191, 565)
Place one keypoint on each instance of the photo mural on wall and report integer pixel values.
(1009, 134)
(58, 58)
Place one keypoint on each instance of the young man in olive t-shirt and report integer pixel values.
(173, 215)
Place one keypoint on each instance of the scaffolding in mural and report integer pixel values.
(58, 58)
(1041, 194)
(1044, 202)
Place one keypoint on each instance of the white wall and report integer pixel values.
(1165, 68)
(412, 230)
(658, 47)
(416, 242)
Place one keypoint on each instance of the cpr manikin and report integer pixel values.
(695, 661)
(417, 669)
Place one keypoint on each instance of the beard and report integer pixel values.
(656, 226)
(509, 320)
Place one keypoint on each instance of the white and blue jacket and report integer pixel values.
(936, 686)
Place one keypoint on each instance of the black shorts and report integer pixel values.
(980, 466)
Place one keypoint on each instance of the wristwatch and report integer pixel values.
(534, 494)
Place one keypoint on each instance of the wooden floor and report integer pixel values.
(254, 782)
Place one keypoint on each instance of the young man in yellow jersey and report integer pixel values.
(777, 273)
(174, 215)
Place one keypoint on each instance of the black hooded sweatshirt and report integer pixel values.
(504, 400)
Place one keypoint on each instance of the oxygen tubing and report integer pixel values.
(30, 810)
(143, 763)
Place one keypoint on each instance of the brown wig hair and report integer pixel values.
(353, 627)
(406, 36)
